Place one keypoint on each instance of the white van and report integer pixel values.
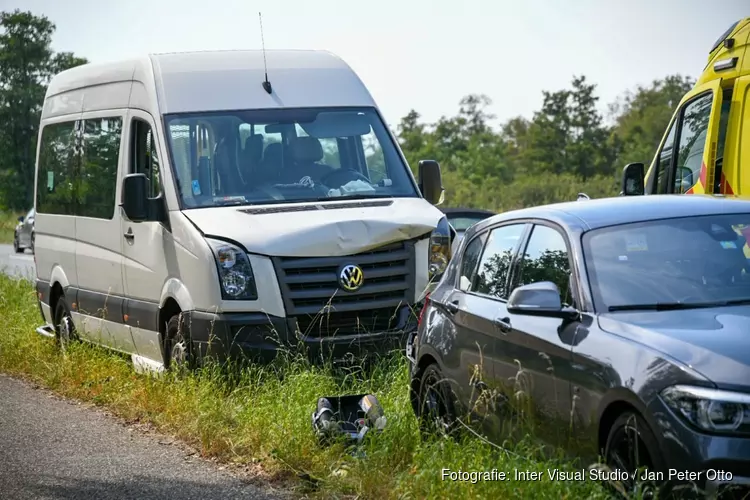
(264, 211)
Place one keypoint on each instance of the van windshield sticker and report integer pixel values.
(50, 181)
(636, 243)
(196, 188)
(728, 244)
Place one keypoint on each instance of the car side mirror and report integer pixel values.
(135, 197)
(633, 179)
(431, 182)
(539, 299)
(20, 219)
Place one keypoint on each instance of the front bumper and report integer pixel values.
(260, 337)
(722, 462)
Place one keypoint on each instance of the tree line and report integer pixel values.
(565, 148)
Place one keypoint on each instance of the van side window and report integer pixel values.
(494, 266)
(143, 156)
(693, 132)
(57, 165)
(98, 174)
(664, 161)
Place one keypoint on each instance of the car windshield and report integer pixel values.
(670, 263)
(284, 155)
(463, 223)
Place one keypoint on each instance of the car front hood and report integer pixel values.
(317, 229)
(711, 341)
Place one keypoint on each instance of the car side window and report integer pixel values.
(494, 266)
(546, 259)
(469, 261)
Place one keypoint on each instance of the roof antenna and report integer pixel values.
(266, 83)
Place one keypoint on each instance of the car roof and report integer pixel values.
(603, 212)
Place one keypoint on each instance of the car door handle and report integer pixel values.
(503, 324)
(452, 306)
(129, 235)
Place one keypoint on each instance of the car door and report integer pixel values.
(144, 244)
(97, 230)
(475, 302)
(536, 352)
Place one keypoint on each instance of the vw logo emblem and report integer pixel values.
(351, 278)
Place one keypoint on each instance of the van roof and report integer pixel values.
(229, 80)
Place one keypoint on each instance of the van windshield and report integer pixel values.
(283, 156)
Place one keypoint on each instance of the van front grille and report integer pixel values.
(311, 292)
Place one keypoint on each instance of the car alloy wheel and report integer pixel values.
(435, 408)
(628, 451)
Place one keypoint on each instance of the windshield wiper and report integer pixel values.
(665, 306)
(737, 302)
(352, 196)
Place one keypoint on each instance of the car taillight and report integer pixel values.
(424, 306)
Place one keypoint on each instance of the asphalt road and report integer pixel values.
(21, 265)
(56, 449)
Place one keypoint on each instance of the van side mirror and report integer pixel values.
(633, 183)
(430, 181)
(20, 219)
(135, 197)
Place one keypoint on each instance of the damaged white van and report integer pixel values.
(203, 204)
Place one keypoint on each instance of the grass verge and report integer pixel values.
(259, 416)
(8, 222)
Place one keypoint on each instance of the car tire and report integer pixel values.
(65, 332)
(16, 246)
(435, 403)
(178, 349)
(631, 435)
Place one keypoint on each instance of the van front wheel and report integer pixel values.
(64, 329)
(178, 348)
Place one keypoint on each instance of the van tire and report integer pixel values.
(178, 351)
(65, 330)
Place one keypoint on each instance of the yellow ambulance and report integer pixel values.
(706, 146)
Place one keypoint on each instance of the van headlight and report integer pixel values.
(710, 410)
(235, 272)
(440, 249)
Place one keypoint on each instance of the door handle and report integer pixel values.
(503, 324)
(452, 306)
(129, 235)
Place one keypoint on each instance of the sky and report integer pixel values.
(420, 54)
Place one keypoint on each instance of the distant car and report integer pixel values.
(23, 237)
(624, 320)
(462, 219)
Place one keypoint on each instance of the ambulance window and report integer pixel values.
(692, 143)
(664, 160)
(726, 102)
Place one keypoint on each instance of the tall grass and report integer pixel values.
(8, 222)
(261, 416)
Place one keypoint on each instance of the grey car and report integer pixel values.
(23, 237)
(625, 322)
